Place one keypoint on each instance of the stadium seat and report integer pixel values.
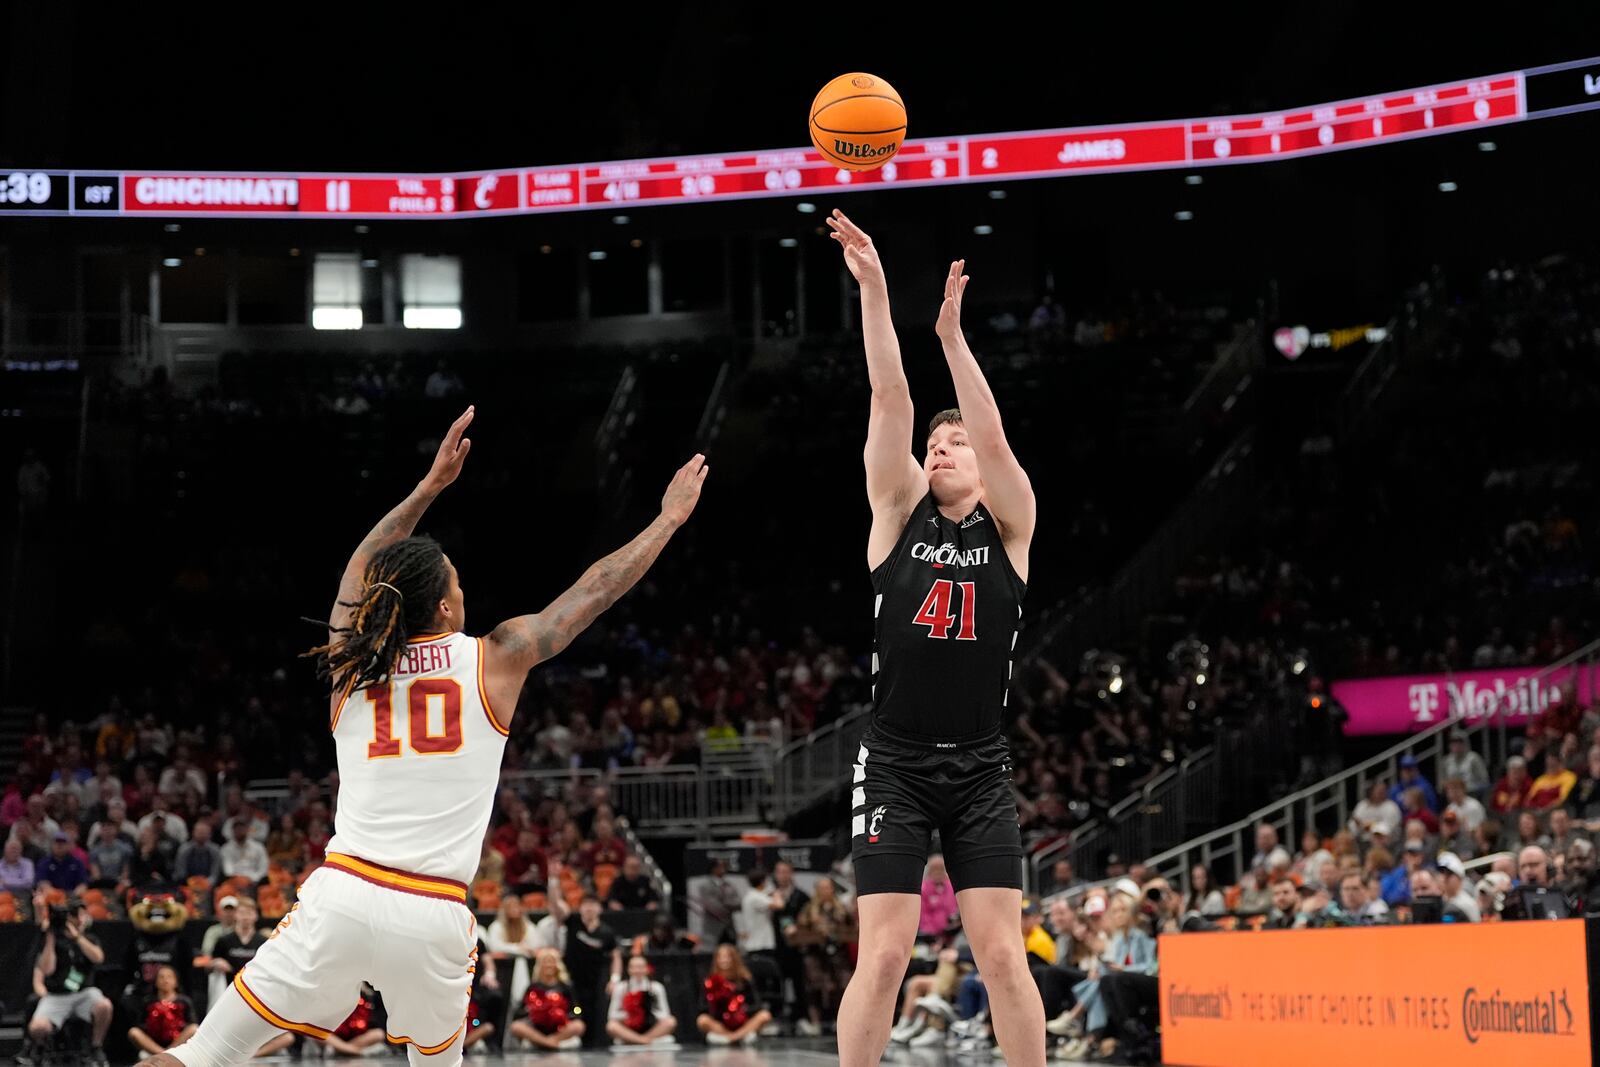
(535, 901)
(487, 894)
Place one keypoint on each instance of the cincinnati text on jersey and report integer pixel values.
(949, 555)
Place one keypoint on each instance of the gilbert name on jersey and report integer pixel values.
(419, 762)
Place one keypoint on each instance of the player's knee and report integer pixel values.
(883, 966)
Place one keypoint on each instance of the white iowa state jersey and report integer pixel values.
(419, 762)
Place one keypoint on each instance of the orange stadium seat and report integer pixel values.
(535, 901)
(271, 902)
(279, 876)
(573, 896)
(8, 908)
(487, 894)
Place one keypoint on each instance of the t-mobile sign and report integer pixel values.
(1414, 702)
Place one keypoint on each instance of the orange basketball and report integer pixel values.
(858, 122)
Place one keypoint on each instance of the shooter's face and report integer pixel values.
(951, 465)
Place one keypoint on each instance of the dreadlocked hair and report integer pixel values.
(381, 620)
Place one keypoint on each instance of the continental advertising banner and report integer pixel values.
(1497, 993)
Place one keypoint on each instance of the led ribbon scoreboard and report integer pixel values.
(1475, 104)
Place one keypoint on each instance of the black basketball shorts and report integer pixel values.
(905, 788)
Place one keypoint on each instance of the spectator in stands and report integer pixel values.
(1580, 879)
(1425, 886)
(640, 1014)
(181, 774)
(632, 888)
(168, 821)
(1414, 808)
(1463, 764)
(717, 899)
(36, 828)
(238, 947)
(823, 933)
(1266, 844)
(1551, 788)
(64, 978)
(1064, 877)
(1453, 887)
(116, 814)
(286, 846)
(1452, 838)
(16, 870)
(788, 900)
(61, 869)
(1358, 903)
(199, 857)
(110, 858)
(1285, 905)
(938, 898)
(243, 856)
(512, 934)
(1397, 883)
(1204, 897)
(1584, 800)
(606, 849)
(529, 865)
(219, 929)
(1375, 810)
(1128, 948)
(1562, 832)
(1255, 892)
(734, 1013)
(1467, 808)
(1527, 832)
(1511, 791)
(1411, 778)
(152, 857)
(491, 864)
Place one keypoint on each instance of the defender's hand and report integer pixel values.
(955, 286)
(452, 454)
(684, 490)
(859, 254)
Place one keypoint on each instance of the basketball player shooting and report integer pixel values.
(419, 713)
(948, 552)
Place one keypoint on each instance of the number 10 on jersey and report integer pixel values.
(936, 615)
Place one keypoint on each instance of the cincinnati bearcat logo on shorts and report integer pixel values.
(877, 822)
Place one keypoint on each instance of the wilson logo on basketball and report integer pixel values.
(852, 150)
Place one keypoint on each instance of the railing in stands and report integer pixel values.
(809, 766)
(1327, 804)
(658, 877)
(1148, 819)
(692, 800)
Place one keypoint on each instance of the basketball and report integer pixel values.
(858, 121)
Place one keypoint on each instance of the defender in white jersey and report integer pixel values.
(419, 713)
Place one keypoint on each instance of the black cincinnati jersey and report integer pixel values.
(947, 607)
